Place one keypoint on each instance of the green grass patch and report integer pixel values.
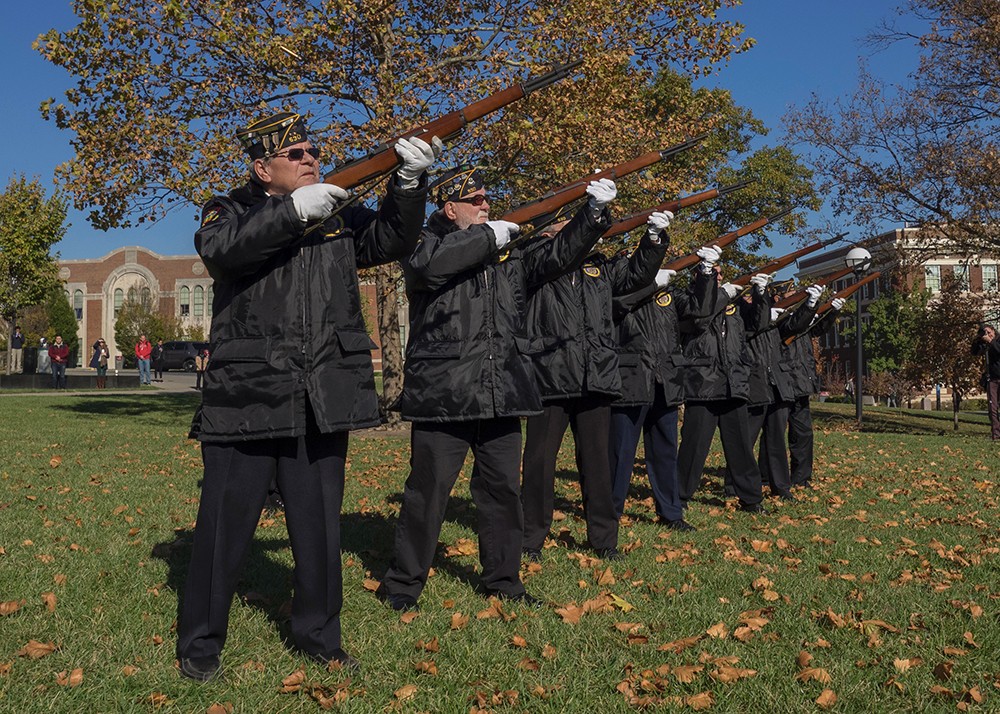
(886, 576)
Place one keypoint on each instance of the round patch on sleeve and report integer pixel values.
(664, 299)
(334, 227)
(592, 271)
(731, 310)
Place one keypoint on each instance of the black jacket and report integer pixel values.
(715, 349)
(469, 353)
(573, 313)
(992, 352)
(770, 380)
(649, 336)
(797, 359)
(287, 328)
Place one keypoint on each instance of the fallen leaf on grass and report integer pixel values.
(73, 679)
(5, 668)
(518, 641)
(606, 577)
(731, 674)
(954, 652)
(370, 585)
(407, 617)
(9, 607)
(158, 700)
(495, 609)
(528, 665)
(685, 674)
(826, 699)
(570, 613)
(804, 659)
(704, 700)
(405, 692)
(463, 546)
(36, 650)
(55, 461)
(678, 646)
(629, 628)
(458, 621)
(621, 604)
(718, 631)
(939, 691)
(293, 682)
(427, 667)
(904, 665)
(814, 674)
(128, 670)
(49, 599)
(429, 646)
(224, 708)
(943, 670)
(548, 651)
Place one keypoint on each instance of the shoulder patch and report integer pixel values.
(503, 256)
(592, 271)
(334, 227)
(664, 299)
(210, 215)
(730, 309)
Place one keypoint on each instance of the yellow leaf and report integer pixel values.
(621, 604)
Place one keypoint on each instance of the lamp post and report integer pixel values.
(859, 260)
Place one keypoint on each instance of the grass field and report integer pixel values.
(877, 591)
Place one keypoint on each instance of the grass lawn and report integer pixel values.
(877, 591)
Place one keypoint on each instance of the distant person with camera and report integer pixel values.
(986, 343)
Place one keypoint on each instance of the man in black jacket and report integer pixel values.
(716, 388)
(469, 379)
(290, 375)
(578, 378)
(651, 364)
(986, 343)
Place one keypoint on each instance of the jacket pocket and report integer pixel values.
(355, 341)
(536, 345)
(242, 349)
(629, 359)
(679, 360)
(434, 350)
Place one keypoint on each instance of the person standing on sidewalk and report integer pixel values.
(158, 355)
(16, 352)
(986, 343)
(143, 351)
(59, 355)
(200, 367)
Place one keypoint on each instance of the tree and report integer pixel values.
(944, 335)
(923, 152)
(890, 337)
(61, 319)
(139, 315)
(30, 224)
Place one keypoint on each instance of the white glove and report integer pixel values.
(814, 292)
(503, 230)
(416, 155)
(659, 221)
(731, 290)
(838, 303)
(317, 201)
(760, 282)
(776, 313)
(709, 255)
(601, 192)
(664, 276)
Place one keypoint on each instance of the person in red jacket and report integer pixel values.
(59, 354)
(143, 349)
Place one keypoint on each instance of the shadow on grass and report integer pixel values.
(156, 410)
(877, 421)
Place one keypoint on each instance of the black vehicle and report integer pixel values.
(180, 354)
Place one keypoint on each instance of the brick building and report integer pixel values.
(177, 284)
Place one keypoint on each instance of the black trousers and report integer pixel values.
(590, 419)
(437, 452)
(769, 423)
(199, 379)
(700, 421)
(310, 473)
(657, 423)
(800, 441)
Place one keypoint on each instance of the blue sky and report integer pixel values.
(803, 47)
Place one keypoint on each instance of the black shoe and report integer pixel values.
(201, 669)
(678, 525)
(273, 504)
(609, 554)
(520, 598)
(753, 508)
(397, 601)
(783, 495)
(340, 657)
(532, 554)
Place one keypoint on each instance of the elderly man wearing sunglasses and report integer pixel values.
(290, 375)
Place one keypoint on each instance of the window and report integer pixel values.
(211, 297)
(119, 299)
(961, 273)
(185, 301)
(147, 296)
(78, 304)
(990, 278)
(932, 278)
(199, 301)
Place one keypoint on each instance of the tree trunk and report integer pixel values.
(387, 304)
(956, 403)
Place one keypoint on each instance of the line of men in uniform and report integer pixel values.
(548, 330)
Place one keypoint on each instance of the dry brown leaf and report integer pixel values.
(743, 633)
(686, 674)
(370, 585)
(224, 708)
(940, 691)
(969, 639)
(732, 674)
(943, 670)
(973, 695)
(718, 631)
(570, 614)
(9, 607)
(55, 461)
(518, 641)
(606, 577)
(548, 651)
(405, 692)
(427, 667)
(770, 595)
(703, 700)
(49, 599)
(458, 621)
(826, 699)
(429, 646)
(528, 665)
(814, 674)
(678, 646)
(407, 617)
(36, 650)
(5, 668)
(159, 700)
(72, 679)
(128, 670)
(629, 627)
(293, 682)
(954, 652)
(804, 659)
(636, 639)
(463, 546)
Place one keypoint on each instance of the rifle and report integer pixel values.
(785, 260)
(559, 197)
(637, 219)
(691, 259)
(843, 294)
(798, 295)
(383, 160)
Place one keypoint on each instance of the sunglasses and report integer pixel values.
(477, 200)
(296, 154)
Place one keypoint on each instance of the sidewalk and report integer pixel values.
(174, 382)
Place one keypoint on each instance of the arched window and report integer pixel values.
(119, 299)
(185, 304)
(147, 296)
(211, 296)
(199, 301)
(78, 304)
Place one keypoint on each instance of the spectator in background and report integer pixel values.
(986, 343)
(59, 354)
(143, 350)
(16, 365)
(200, 367)
(99, 361)
(44, 365)
(158, 355)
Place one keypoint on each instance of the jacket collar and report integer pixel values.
(248, 194)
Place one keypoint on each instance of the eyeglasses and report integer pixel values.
(297, 154)
(477, 200)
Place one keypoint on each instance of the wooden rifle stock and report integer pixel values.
(843, 295)
(799, 295)
(559, 197)
(691, 259)
(383, 159)
(637, 219)
(785, 260)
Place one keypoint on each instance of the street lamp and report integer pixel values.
(859, 260)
